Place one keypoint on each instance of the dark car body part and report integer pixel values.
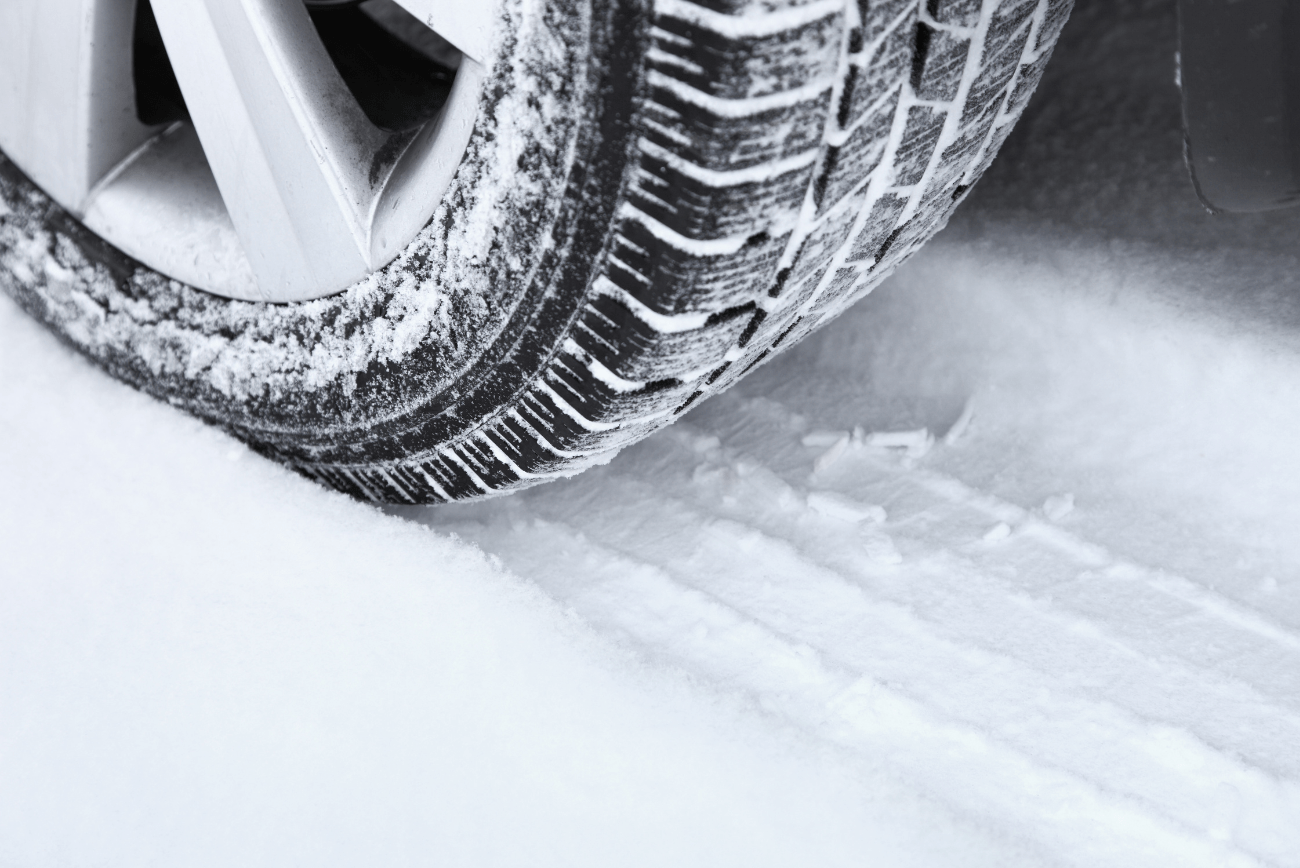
(1239, 69)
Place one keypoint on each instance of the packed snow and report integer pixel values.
(1000, 568)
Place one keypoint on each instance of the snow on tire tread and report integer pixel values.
(791, 155)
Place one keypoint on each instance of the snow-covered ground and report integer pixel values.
(1001, 568)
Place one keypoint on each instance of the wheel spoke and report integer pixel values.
(292, 153)
(315, 195)
(466, 24)
(67, 96)
(426, 167)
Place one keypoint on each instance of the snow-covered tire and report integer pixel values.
(654, 200)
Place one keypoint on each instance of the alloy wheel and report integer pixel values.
(274, 150)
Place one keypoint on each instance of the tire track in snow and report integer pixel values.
(1113, 759)
(724, 640)
(1041, 563)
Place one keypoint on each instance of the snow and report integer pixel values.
(998, 569)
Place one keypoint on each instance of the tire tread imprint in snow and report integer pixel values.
(715, 264)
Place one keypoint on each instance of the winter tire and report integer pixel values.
(654, 199)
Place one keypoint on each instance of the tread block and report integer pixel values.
(851, 163)
(411, 482)
(878, 15)
(1025, 84)
(825, 240)
(756, 353)
(798, 329)
(538, 445)
(805, 286)
(741, 7)
(768, 333)
(559, 431)
(1006, 28)
(725, 142)
(905, 239)
(958, 156)
(475, 454)
(776, 324)
(837, 293)
(939, 63)
(699, 210)
(450, 476)
(389, 481)
(779, 327)
(529, 451)
(999, 136)
(671, 281)
(998, 66)
(958, 13)
(741, 67)
(874, 75)
(924, 126)
(1058, 12)
(880, 223)
(635, 350)
(941, 199)
(338, 479)
(571, 378)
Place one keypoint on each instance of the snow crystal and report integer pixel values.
(835, 505)
(831, 455)
(914, 444)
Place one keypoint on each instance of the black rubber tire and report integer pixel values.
(701, 184)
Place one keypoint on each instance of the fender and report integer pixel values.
(1239, 71)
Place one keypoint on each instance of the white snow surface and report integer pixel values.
(1001, 568)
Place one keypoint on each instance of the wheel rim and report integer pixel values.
(280, 185)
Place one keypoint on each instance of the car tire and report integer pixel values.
(655, 200)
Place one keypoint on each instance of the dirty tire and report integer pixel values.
(739, 172)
